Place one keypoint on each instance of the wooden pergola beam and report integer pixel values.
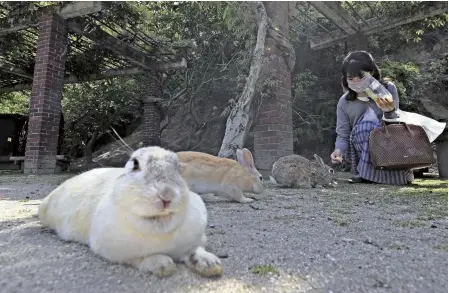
(11, 69)
(79, 9)
(105, 40)
(73, 79)
(375, 26)
(102, 38)
(68, 11)
(338, 15)
(106, 75)
(16, 88)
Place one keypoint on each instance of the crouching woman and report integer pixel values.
(357, 115)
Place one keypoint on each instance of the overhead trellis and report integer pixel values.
(326, 23)
(104, 41)
(107, 40)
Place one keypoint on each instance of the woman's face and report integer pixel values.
(357, 83)
(353, 79)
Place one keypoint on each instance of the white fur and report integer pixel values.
(112, 210)
(113, 233)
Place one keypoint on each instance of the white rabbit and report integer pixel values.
(142, 214)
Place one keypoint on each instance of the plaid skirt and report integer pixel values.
(359, 156)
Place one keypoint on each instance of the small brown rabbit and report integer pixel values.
(297, 171)
(206, 173)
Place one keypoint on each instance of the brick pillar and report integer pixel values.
(45, 102)
(273, 131)
(151, 114)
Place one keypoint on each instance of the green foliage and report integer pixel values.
(435, 75)
(91, 108)
(433, 81)
(316, 89)
(240, 19)
(415, 31)
(263, 270)
(406, 77)
(411, 32)
(14, 103)
(312, 110)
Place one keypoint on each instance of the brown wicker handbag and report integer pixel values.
(400, 146)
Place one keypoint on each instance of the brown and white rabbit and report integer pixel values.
(297, 171)
(142, 214)
(206, 173)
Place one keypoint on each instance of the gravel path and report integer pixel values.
(354, 238)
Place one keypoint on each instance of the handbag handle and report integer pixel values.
(387, 134)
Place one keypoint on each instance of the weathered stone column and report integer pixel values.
(152, 115)
(45, 102)
(273, 131)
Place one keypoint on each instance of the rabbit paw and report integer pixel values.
(234, 193)
(245, 200)
(205, 263)
(158, 264)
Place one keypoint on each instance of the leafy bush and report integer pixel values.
(406, 77)
(434, 80)
(91, 108)
(15, 103)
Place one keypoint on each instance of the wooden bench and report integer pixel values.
(62, 162)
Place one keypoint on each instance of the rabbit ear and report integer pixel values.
(245, 158)
(319, 160)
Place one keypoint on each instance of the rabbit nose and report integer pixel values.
(165, 203)
(167, 193)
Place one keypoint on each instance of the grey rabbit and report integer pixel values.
(296, 171)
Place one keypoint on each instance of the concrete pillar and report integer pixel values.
(273, 131)
(45, 102)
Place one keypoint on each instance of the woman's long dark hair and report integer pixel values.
(353, 65)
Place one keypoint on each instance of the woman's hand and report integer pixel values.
(386, 105)
(336, 157)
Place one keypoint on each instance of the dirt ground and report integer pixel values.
(353, 238)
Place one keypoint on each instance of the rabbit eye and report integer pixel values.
(136, 166)
(331, 171)
(260, 178)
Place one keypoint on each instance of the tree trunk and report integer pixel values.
(88, 150)
(239, 123)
